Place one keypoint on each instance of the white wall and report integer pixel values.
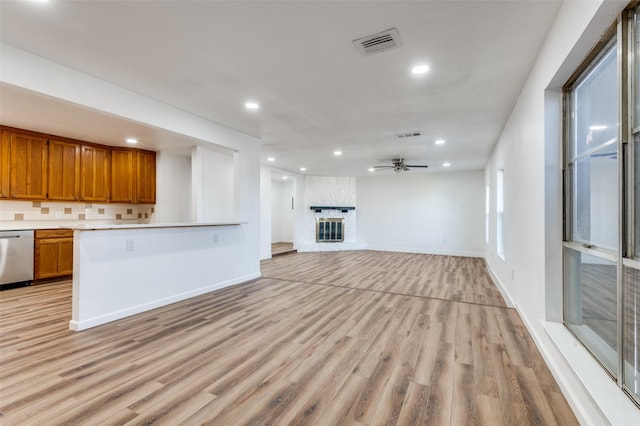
(265, 212)
(282, 217)
(529, 150)
(213, 185)
(440, 213)
(173, 180)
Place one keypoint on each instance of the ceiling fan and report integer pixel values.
(398, 165)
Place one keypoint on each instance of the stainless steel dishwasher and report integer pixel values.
(16, 258)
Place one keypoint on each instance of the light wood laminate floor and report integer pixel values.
(278, 249)
(358, 338)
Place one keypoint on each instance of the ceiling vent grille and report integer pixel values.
(408, 135)
(379, 42)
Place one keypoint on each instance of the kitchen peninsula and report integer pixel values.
(122, 270)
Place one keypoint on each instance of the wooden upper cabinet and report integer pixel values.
(5, 140)
(38, 166)
(64, 171)
(146, 177)
(27, 167)
(94, 173)
(123, 175)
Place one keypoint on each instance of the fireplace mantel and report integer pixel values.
(343, 209)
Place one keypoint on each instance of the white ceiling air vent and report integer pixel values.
(379, 42)
(408, 134)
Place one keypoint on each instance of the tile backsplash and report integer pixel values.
(50, 211)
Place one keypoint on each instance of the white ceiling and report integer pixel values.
(317, 92)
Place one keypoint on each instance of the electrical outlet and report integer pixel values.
(131, 245)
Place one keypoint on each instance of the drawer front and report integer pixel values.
(54, 233)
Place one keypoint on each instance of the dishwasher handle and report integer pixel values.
(6, 237)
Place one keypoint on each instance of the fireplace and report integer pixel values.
(329, 230)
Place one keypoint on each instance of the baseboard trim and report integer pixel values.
(422, 250)
(501, 288)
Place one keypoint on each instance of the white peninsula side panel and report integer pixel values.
(122, 271)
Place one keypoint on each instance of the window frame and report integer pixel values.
(624, 32)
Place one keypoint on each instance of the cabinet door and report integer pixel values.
(28, 167)
(94, 173)
(64, 171)
(65, 256)
(5, 140)
(122, 176)
(53, 257)
(146, 177)
(46, 258)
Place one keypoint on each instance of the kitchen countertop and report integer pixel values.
(107, 226)
(153, 225)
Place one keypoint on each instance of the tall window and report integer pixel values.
(601, 243)
(500, 213)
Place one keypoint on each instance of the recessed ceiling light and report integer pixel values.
(439, 142)
(420, 69)
(251, 105)
(303, 169)
(271, 159)
(371, 169)
(285, 177)
(446, 164)
(131, 140)
(337, 153)
(597, 127)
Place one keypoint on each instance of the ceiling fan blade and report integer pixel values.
(413, 165)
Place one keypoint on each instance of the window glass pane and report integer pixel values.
(595, 198)
(594, 106)
(632, 331)
(590, 301)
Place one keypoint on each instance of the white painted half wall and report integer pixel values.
(437, 213)
(122, 272)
